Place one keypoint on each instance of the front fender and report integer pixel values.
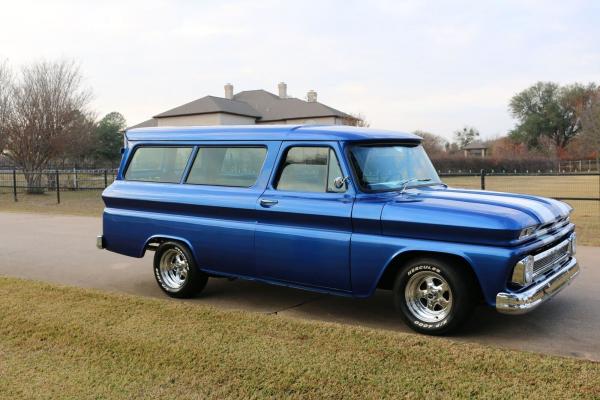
(371, 255)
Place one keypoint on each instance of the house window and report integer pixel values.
(227, 166)
(158, 164)
(309, 169)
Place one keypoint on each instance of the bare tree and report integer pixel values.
(5, 97)
(590, 122)
(356, 120)
(433, 144)
(80, 141)
(48, 101)
(465, 136)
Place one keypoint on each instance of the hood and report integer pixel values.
(469, 216)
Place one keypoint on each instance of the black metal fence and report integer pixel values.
(17, 182)
(574, 187)
(582, 186)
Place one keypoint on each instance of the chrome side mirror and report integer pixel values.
(339, 182)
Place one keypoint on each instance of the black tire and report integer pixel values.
(173, 281)
(422, 305)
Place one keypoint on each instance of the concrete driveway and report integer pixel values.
(62, 249)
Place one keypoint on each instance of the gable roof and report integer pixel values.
(146, 124)
(475, 146)
(274, 108)
(260, 104)
(211, 104)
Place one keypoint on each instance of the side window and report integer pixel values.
(158, 164)
(227, 166)
(309, 169)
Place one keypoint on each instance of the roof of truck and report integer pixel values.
(265, 132)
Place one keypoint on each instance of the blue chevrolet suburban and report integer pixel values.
(332, 209)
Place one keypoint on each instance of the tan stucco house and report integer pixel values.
(251, 107)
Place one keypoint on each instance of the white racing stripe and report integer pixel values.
(564, 207)
(541, 210)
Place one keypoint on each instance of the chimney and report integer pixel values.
(311, 96)
(282, 90)
(229, 91)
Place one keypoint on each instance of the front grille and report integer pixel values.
(546, 260)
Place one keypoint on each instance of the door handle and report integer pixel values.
(268, 202)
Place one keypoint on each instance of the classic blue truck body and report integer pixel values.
(341, 243)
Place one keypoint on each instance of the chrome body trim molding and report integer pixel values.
(540, 292)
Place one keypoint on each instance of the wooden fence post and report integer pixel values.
(105, 178)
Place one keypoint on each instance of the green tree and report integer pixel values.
(109, 137)
(465, 136)
(548, 110)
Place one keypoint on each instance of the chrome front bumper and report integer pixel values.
(527, 300)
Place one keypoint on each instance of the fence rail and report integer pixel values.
(576, 186)
(18, 182)
(579, 166)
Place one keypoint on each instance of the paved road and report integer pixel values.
(62, 249)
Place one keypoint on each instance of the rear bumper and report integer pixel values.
(523, 302)
(100, 242)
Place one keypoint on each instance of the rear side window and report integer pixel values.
(227, 166)
(309, 169)
(158, 164)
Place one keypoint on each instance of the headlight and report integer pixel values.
(573, 244)
(523, 271)
(527, 232)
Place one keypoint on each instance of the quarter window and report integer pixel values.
(158, 164)
(227, 166)
(310, 169)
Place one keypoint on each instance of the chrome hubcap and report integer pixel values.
(173, 269)
(428, 296)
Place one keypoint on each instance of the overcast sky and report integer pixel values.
(409, 65)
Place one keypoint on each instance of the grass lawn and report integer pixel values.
(60, 342)
(84, 202)
(586, 215)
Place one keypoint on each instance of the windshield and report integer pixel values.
(392, 167)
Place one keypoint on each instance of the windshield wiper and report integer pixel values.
(432, 184)
(404, 183)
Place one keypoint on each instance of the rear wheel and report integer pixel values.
(433, 296)
(176, 272)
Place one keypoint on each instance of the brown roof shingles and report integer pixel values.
(260, 104)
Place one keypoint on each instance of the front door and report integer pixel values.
(304, 220)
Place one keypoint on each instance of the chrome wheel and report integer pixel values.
(428, 296)
(174, 268)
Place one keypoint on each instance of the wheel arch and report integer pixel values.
(156, 240)
(388, 276)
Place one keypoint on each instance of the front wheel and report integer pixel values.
(176, 272)
(433, 296)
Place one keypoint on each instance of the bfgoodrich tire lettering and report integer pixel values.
(433, 296)
(176, 272)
